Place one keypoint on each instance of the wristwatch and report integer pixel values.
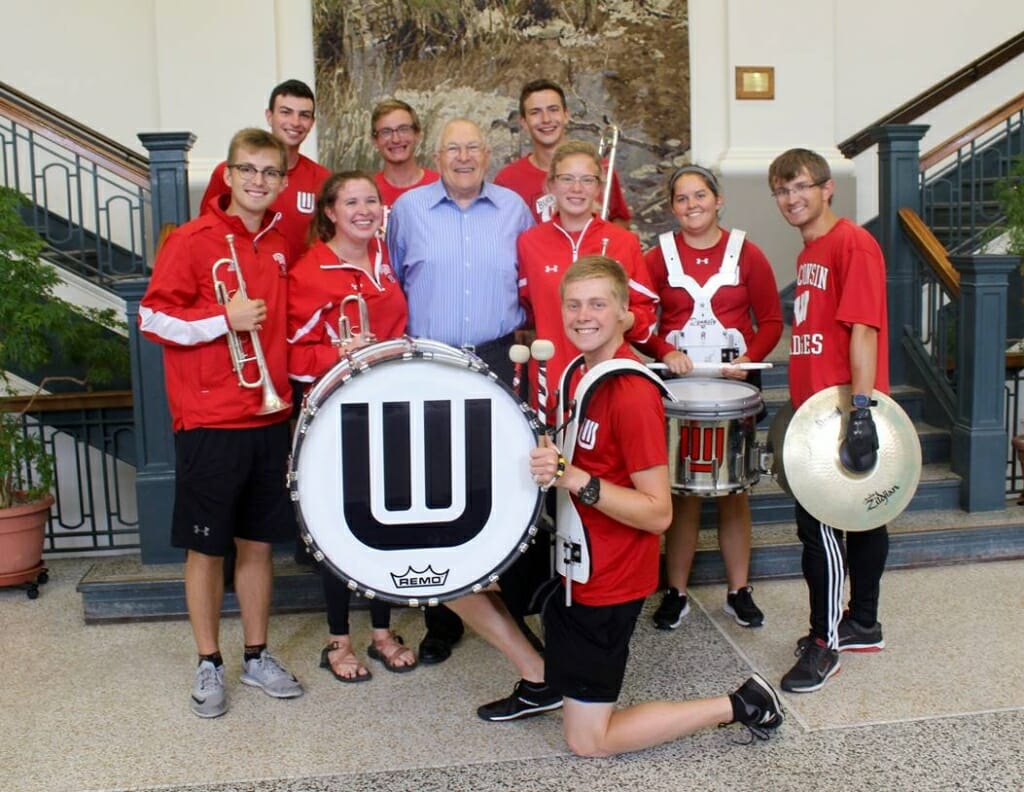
(860, 401)
(590, 493)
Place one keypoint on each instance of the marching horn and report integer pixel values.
(271, 402)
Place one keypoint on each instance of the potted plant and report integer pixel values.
(37, 327)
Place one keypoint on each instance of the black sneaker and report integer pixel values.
(853, 637)
(672, 610)
(527, 699)
(814, 665)
(742, 608)
(759, 707)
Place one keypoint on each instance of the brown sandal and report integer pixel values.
(393, 653)
(348, 661)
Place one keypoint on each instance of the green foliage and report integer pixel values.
(35, 327)
(1010, 193)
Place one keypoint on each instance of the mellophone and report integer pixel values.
(408, 469)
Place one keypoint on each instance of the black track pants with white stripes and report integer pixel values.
(824, 562)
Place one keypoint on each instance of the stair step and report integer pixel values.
(121, 588)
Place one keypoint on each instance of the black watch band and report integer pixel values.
(590, 493)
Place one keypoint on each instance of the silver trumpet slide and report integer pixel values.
(271, 402)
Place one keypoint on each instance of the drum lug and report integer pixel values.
(766, 460)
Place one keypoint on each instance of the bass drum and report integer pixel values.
(409, 473)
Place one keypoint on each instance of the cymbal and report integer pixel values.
(825, 488)
(776, 436)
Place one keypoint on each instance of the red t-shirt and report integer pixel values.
(626, 418)
(389, 193)
(756, 291)
(316, 286)
(296, 203)
(840, 281)
(525, 178)
(544, 253)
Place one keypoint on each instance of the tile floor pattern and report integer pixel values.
(105, 707)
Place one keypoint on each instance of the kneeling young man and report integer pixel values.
(619, 481)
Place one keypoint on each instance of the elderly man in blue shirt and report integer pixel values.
(453, 248)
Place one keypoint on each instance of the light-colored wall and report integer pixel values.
(124, 66)
(839, 66)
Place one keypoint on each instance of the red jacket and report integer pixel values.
(181, 312)
(545, 253)
(316, 287)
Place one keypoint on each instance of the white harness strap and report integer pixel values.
(704, 337)
(573, 557)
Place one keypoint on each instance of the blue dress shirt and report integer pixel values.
(458, 266)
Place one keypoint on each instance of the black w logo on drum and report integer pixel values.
(439, 486)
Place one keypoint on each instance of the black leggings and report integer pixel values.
(824, 561)
(337, 596)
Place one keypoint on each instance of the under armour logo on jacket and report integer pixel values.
(703, 260)
(551, 268)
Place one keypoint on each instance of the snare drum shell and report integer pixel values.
(712, 436)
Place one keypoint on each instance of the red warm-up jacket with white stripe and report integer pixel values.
(180, 311)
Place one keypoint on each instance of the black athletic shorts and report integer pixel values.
(230, 483)
(586, 647)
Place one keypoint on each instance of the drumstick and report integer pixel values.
(542, 351)
(700, 365)
(518, 354)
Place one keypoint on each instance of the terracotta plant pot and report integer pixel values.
(22, 530)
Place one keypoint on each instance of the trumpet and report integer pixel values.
(346, 336)
(606, 148)
(272, 402)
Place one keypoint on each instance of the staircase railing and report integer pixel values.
(90, 195)
(960, 175)
(91, 439)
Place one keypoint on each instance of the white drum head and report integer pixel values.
(701, 398)
(410, 473)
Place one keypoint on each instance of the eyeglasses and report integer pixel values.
(453, 150)
(402, 130)
(568, 180)
(801, 188)
(248, 173)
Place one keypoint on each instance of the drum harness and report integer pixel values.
(703, 337)
(572, 558)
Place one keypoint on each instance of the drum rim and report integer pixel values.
(424, 349)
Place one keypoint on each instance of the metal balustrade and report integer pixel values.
(90, 196)
(91, 440)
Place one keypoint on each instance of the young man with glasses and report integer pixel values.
(453, 249)
(290, 114)
(396, 133)
(230, 452)
(543, 115)
(840, 337)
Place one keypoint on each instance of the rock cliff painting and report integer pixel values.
(626, 61)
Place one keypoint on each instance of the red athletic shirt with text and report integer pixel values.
(840, 281)
(626, 421)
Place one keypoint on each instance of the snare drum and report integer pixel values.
(409, 472)
(712, 432)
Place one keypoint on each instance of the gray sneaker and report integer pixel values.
(270, 676)
(208, 699)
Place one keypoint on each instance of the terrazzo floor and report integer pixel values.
(105, 707)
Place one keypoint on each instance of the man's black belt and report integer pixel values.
(490, 347)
